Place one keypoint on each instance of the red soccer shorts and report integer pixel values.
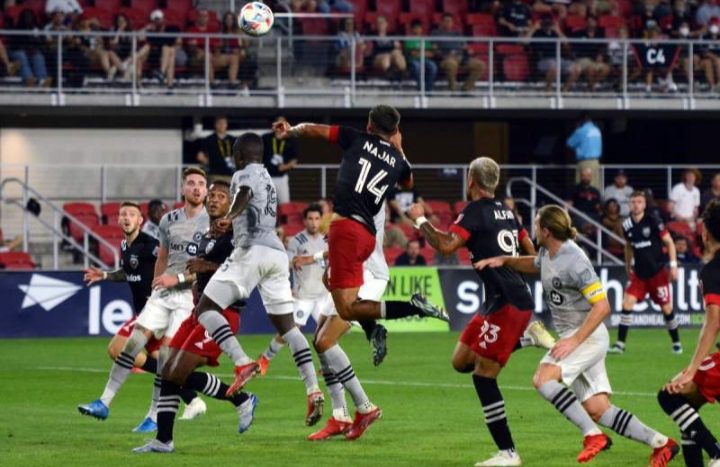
(495, 336)
(127, 328)
(192, 337)
(350, 244)
(657, 286)
(707, 377)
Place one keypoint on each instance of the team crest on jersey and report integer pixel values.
(134, 261)
(556, 283)
(197, 237)
(646, 232)
(556, 298)
(192, 249)
(209, 247)
(299, 314)
(123, 245)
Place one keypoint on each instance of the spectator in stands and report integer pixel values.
(452, 54)
(586, 141)
(414, 52)
(586, 199)
(708, 10)
(399, 200)
(394, 235)
(612, 220)
(683, 251)
(656, 58)
(620, 191)
(10, 67)
(92, 46)
(10, 245)
(195, 46)
(412, 255)
(216, 150)
(685, 198)
(160, 51)
(56, 24)
(280, 157)
(711, 193)
(156, 209)
(682, 15)
(546, 56)
(28, 51)
(590, 57)
(388, 56)
(709, 54)
(233, 54)
(346, 38)
(557, 8)
(515, 18)
(68, 7)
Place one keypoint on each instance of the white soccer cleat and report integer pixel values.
(502, 458)
(155, 446)
(539, 336)
(195, 408)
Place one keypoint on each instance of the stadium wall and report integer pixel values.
(58, 304)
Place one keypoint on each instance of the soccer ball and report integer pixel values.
(256, 18)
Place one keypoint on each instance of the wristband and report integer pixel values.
(673, 264)
(104, 275)
(319, 256)
(181, 278)
(420, 221)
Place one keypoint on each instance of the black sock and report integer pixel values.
(399, 310)
(672, 326)
(689, 421)
(187, 395)
(624, 326)
(150, 365)
(691, 452)
(368, 326)
(167, 409)
(211, 385)
(494, 409)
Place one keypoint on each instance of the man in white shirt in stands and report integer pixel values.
(685, 198)
(66, 6)
(620, 191)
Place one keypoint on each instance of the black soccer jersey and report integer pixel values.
(647, 246)
(490, 229)
(370, 167)
(710, 281)
(138, 263)
(215, 250)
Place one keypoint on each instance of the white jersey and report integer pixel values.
(376, 264)
(151, 228)
(307, 282)
(181, 236)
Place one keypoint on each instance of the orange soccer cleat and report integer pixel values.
(592, 445)
(664, 454)
(333, 427)
(362, 422)
(243, 374)
(263, 363)
(315, 403)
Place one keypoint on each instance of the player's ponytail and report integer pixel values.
(557, 221)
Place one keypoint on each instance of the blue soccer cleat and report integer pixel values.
(246, 413)
(146, 426)
(95, 409)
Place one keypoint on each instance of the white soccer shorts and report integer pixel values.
(165, 310)
(584, 369)
(305, 308)
(372, 289)
(258, 266)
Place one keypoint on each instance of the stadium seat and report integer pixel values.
(144, 208)
(291, 213)
(575, 23)
(464, 256)
(683, 229)
(113, 235)
(482, 25)
(456, 7)
(137, 18)
(392, 253)
(509, 49)
(516, 67)
(37, 7)
(104, 17)
(146, 6)
(110, 6)
(360, 7)
(458, 206)
(292, 229)
(314, 26)
(422, 7)
(181, 7)
(391, 10)
(179, 204)
(611, 22)
(442, 210)
(428, 253)
(175, 18)
(458, 21)
(109, 213)
(16, 260)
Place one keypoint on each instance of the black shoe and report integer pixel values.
(378, 341)
(429, 310)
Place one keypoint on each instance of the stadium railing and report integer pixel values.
(306, 70)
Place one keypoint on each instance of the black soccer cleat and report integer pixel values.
(378, 341)
(429, 310)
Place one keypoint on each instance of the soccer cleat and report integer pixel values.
(95, 409)
(246, 413)
(502, 458)
(146, 426)
(195, 408)
(539, 336)
(362, 422)
(378, 341)
(616, 349)
(664, 454)
(243, 374)
(714, 463)
(156, 446)
(333, 427)
(429, 310)
(592, 445)
(315, 403)
(263, 363)
(677, 348)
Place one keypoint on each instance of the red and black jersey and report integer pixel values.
(215, 250)
(490, 229)
(370, 167)
(645, 239)
(710, 281)
(138, 263)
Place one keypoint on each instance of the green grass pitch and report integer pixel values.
(431, 414)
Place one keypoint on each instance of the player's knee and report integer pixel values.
(113, 351)
(462, 366)
(323, 343)
(667, 401)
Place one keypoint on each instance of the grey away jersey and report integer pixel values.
(570, 285)
(256, 224)
(151, 229)
(307, 282)
(181, 236)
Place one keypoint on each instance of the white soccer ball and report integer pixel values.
(256, 19)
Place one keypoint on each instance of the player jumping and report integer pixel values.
(645, 264)
(699, 383)
(572, 374)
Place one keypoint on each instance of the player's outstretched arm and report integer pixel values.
(708, 335)
(523, 264)
(93, 275)
(283, 130)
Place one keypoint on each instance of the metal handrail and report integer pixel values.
(600, 229)
(55, 229)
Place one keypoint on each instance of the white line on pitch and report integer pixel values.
(363, 381)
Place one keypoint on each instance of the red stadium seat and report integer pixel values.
(137, 18)
(292, 212)
(422, 7)
(16, 260)
(109, 213)
(611, 22)
(110, 6)
(429, 254)
(179, 204)
(391, 10)
(683, 229)
(104, 17)
(483, 28)
(181, 7)
(575, 23)
(516, 67)
(439, 208)
(314, 26)
(464, 256)
(457, 21)
(392, 253)
(146, 6)
(458, 206)
(456, 7)
(360, 7)
(509, 49)
(292, 229)
(113, 235)
(175, 18)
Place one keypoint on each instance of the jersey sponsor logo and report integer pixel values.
(134, 261)
(383, 155)
(133, 277)
(123, 245)
(644, 244)
(47, 292)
